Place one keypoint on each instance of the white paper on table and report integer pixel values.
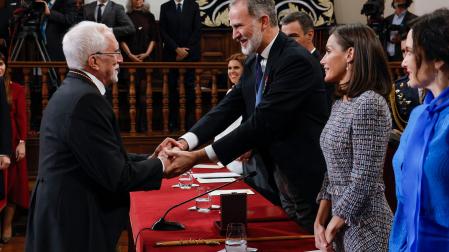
(216, 175)
(215, 180)
(220, 192)
(209, 166)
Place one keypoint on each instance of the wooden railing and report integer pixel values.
(206, 82)
(207, 90)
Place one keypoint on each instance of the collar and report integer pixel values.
(181, 2)
(313, 50)
(96, 81)
(104, 4)
(266, 52)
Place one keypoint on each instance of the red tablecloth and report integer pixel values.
(148, 207)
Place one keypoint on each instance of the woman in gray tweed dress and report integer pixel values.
(354, 214)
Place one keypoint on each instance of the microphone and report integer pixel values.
(164, 225)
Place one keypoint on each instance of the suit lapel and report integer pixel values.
(90, 11)
(273, 57)
(107, 11)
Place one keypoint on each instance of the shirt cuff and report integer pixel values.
(162, 162)
(211, 153)
(191, 139)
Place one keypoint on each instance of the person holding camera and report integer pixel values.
(59, 16)
(395, 24)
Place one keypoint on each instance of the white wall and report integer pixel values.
(346, 11)
(155, 5)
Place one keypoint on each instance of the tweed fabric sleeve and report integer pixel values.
(370, 132)
(323, 194)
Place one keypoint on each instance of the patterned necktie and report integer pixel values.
(99, 17)
(178, 8)
(259, 81)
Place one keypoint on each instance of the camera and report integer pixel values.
(373, 8)
(374, 11)
(29, 14)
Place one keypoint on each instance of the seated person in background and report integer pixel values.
(403, 98)
(354, 143)
(421, 163)
(139, 47)
(235, 70)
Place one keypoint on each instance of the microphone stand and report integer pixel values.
(164, 225)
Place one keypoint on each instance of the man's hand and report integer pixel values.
(184, 145)
(167, 144)
(47, 10)
(181, 53)
(182, 161)
(4, 162)
(245, 157)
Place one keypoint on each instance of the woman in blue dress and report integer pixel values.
(421, 163)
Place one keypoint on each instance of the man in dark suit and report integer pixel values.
(111, 14)
(5, 129)
(81, 198)
(300, 27)
(60, 15)
(282, 99)
(395, 25)
(180, 27)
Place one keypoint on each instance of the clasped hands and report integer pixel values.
(324, 236)
(176, 158)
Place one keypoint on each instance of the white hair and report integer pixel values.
(83, 40)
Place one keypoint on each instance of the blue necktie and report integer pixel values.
(259, 81)
(178, 8)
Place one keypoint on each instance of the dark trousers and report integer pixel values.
(298, 206)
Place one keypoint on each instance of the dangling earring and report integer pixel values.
(347, 66)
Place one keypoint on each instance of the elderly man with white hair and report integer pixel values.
(81, 198)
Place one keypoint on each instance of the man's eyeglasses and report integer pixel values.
(116, 52)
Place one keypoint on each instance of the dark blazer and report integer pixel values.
(114, 16)
(62, 17)
(81, 198)
(5, 122)
(403, 27)
(285, 127)
(180, 30)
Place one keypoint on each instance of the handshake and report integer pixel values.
(176, 158)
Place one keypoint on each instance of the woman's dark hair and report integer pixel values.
(430, 34)
(370, 68)
(407, 3)
(6, 81)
